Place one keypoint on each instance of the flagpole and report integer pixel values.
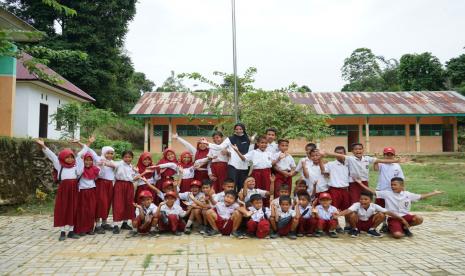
(236, 96)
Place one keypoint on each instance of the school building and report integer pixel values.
(411, 122)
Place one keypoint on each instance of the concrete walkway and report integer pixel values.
(29, 245)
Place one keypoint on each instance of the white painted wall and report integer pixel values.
(29, 96)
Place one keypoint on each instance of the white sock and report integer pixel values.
(189, 223)
(99, 224)
(63, 229)
(153, 228)
(104, 221)
(371, 229)
(71, 228)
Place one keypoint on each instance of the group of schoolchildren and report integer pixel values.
(211, 188)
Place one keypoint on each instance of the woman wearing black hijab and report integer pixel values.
(237, 169)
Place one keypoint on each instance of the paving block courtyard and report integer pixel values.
(29, 246)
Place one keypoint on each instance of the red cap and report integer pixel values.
(196, 183)
(167, 183)
(389, 150)
(145, 194)
(324, 196)
(170, 193)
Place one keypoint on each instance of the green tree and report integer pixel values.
(455, 71)
(98, 29)
(260, 109)
(173, 84)
(421, 72)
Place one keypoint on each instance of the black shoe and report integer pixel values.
(317, 234)
(214, 233)
(373, 233)
(82, 234)
(91, 233)
(62, 236)
(107, 227)
(292, 235)
(155, 232)
(126, 226)
(187, 231)
(99, 230)
(332, 234)
(178, 233)
(203, 229)
(236, 234)
(384, 228)
(347, 229)
(408, 233)
(273, 235)
(132, 234)
(339, 230)
(354, 233)
(116, 229)
(300, 235)
(73, 235)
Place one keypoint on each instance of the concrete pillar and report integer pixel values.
(367, 136)
(146, 135)
(150, 135)
(7, 94)
(417, 134)
(455, 135)
(407, 138)
(170, 132)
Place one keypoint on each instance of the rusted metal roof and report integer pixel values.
(420, 103)
(23, 74)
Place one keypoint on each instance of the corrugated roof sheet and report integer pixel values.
(23, 74)
(330, 103)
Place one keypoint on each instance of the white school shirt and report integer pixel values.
(338, 174)
(220, 157)
(149, 211)
(173, 210)
(107, 173)
(258, 215)
(398, 203)
(326, 214)
(289, 213)
(85, 183)
(315, 174)
(259, 159)
(285, 164)
(224, 211)
(359, 168)
(272, 147)
(251, 192)
(309, 212)
(219, 197)
(66, 173)
(386, 173)
(365, 214)
(234, 160)
(186, 197)
(124, 171)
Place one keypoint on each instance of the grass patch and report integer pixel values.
(147, 260)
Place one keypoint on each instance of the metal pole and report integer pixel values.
(236, 96)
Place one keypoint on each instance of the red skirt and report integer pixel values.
(262, 181)
(281, 180)
(123, 199)
(66, 201)
(185, 185)
(85, 215)
(104, 198)
(201, 175)
(141, 188)
(220, 170)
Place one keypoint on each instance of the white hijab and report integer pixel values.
(105, 150)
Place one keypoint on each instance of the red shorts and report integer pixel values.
(220, 171)
(260, 229)
(395, 225)
(326, 225)
(307, 226)
(225, 227)
(174, 224)
(380, 202)
(281, 180)
(354, 190)
(340, 197)
(286, 229)
(365, 225)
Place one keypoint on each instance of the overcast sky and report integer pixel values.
(304, 41)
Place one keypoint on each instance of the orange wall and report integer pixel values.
(403, 144)
(7, 97)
